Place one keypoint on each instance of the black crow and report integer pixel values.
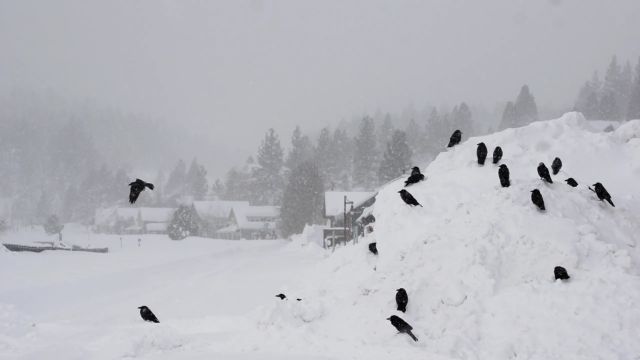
(503, 174)
(560, 273)
(537, 199)
(543, 172)
(571, 182)
(556, 165)
(481, 152)
(373, 248)
(602, 193)
(281, 296)
(415, 176)
(402, 299)
(298, 299)
(455, 138)
(147, 314)
(497, 154)
(402, 326)
(136, 188)
(408, 198)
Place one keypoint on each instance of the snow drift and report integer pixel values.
(478, 259)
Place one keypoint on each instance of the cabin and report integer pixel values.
(214, 215)
(251, 222)
(143, 220)
(355, 203)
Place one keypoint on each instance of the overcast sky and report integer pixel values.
(243, 66)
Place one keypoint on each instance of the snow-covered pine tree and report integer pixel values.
(365, 160)
(588, 99)
(385, 130)
(342, 154)
(415, 138)
(322, 156)
(302, 199)
(462, 119)
(267, 177)
(185, 222)
(53, 225)
(633, 111)
(196, 181)
(508, 116)
(525, 108)
(177, 179)
(301, 149)
(396, 159)
(610, 103)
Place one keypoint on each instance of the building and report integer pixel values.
(143, 220)
(214, 215)
(251, 222)
(355, 202)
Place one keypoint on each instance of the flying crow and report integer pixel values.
(402, 326)
(147, 314)
(408, 198)
(571, 182)
(543, 172)
(402, 299)
(556, 165)
(497, 154)
(503, 174)
(415, 176)
(136, 188)
(602, 193)
(481, 152)
(281, 296)
(373, 248)
(537, 199)
(560, 273)
(455, 138)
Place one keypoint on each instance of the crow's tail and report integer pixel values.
(610, 202)
(412, 336)
(149, 185)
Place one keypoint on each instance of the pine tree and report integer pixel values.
(365, 156)
(633, 111)
(177, 179)
(415, 138)
(525, 109)
(217, 189)
(301, 149)
(508, 116)
(385, 130)
(609, 108)
(462, 119)
(625, 86)
(197, 181)
(588, 102)
(267, 177)
(53, 225)
(396, 159)
(323, 155)
(185, 222)
(342, 154)
(302, 200)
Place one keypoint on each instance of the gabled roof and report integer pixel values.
(243, 214)
(216, 209)
(334, 200)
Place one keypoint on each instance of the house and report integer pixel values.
(133, 220)
(251, 222)
(355, 203)
(215, 215)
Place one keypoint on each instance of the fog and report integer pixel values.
(230, 70)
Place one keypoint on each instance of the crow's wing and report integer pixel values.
(134, 193)
(149, 185)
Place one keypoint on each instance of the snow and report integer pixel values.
(217, 209)
(334, 200)
(477, 262)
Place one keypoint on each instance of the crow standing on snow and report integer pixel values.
(543, 172)
(560, 273)
(503, 174)
(481, 152)
(556, 165)
(373, 248)
(571, 182)
(408, 198)
(455, 138)
(281, 296)
(402, 326)
(147, 314)
(402, 299)
(415, 176)
(537, 199)
(602, 193)
(136, 188)
(497, 154)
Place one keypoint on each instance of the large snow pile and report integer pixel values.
(477, 261)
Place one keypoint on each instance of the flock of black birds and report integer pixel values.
(402, 298)
(560, 273)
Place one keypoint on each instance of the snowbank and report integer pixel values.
(477, 260)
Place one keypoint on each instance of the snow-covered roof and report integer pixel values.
(244, 215)
(126, 213)
(334, 200)
(156, 214)
(216, 209)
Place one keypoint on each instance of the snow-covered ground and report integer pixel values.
(477, 262)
